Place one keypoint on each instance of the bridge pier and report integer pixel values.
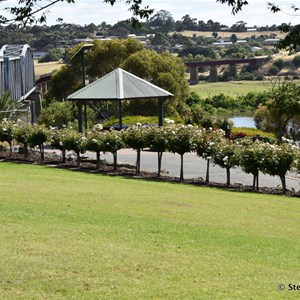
(232, 70)
(213, 74)
(194, 79)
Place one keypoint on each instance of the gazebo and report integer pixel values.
(119, 85)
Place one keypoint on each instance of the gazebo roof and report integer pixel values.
(119, 85)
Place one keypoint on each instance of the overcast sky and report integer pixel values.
(95, 11)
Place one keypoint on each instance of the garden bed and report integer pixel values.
(88, 165)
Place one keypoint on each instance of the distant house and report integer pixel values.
(241, 42)
(222, 44)
(251, 29)
(255, 49)
(271, 41)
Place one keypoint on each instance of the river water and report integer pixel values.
(243, 122)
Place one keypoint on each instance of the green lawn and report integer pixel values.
(231, 88)
(73, 235)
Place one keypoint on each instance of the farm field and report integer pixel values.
(72, 235)
(231, 88)
(46, 68)
(240, 35)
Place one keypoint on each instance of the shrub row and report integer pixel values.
(252, 156)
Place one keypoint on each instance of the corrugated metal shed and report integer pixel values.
(119, 85)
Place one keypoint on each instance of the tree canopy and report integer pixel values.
(32, 11)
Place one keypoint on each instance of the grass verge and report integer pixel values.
(68, 235)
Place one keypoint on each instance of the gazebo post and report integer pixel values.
(79, 105)
(120, 114)
(161, 112)
(85, 118)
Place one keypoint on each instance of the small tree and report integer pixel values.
(225, 155)
(251, 157)
(58, 139)
(38, 137)
(278, 160)
(7, 133)
(205, 142)
(112, 142)
(95, 142)
(75, 141)
(156, 139)
(180, 140)
(135, 138)
(22, 135)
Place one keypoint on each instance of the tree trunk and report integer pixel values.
(207, 170)
(63, 154)
(78, 159)
(181, 167)
(115, 160)
(282, 178)
(42, 152)
(98, 159)
(159, 155)
(228, 176)
(10, 148)
(254, 182)
(257, 186)
(26, 150)
(138, 161)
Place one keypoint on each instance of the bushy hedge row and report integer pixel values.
(252, 156)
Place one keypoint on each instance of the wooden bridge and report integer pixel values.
(213, 64)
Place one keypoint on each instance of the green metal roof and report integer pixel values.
(119, 85)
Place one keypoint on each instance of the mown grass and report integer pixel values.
(231, 88)
(72, 235)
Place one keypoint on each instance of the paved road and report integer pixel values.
(195, 167)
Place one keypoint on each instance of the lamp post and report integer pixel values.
(82, 50)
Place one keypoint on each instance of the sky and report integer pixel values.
(95, 11)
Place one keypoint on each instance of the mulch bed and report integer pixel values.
(88, 165)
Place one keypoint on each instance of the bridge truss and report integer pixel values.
(16, 71)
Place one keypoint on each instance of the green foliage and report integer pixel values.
(58, 114)
(9, 108)
(51, 55)
(278, 160)
(163, 70)
(279, 63)
(296, 61)
(278, 113)
(64, 82)
(39, 135)
(6, 131)
(180, 140)
(274, 70)
(135, 136)
(22, 134)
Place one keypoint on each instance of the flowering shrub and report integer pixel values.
(7, 132)
(39, 135)
(58, 139)
(225, 155)
(180, 140)
(157, 139)
(278, 160)
(94, 142)
(75, 141)
(205, 143)
(135, 138)
(112, 142)
(251, 157)
(22, 134)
